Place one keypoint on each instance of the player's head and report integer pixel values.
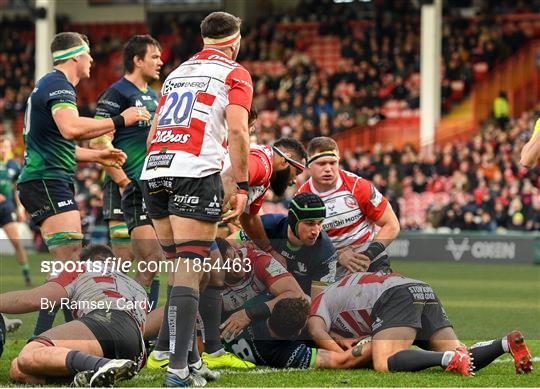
(72, 48)
(288, 162)
(221, 30)
(306, 214)
(6, 149)
(289, 317)
(235, 270)
(142, 54)
(96, 252)
(323, 160)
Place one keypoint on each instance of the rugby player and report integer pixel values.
(10, 209)
(277, 342)
(203, 99)
(273, 167)
(398, 312)
(52, 125)
(355, 209)
(299, 238)
(530, 154)
(123, 205)
(103, 343)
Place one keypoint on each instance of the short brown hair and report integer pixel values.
(219, 25)
(67, 40)
(320, 144)
(289, 317)
(137, 46)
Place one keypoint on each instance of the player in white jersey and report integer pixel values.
(355, 209)
(203, 100)
(399, 312)
(102, 345)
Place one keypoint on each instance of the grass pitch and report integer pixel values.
(482, 301)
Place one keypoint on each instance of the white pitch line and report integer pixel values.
(506, 360)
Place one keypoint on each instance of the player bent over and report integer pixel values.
(102, 345)
(203, 98)
(52, 125)
(399, 312)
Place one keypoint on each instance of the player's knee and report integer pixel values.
(14, 373)
(381, 364)
(26, 362)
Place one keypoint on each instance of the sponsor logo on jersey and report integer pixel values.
(377, 323)
(61, 92)
(167, 136)
(109, 102)
(274, 268)
(160, 160)
(214, 203)
(181, 82)
(376, 196)
(65, 203)
(185, 199)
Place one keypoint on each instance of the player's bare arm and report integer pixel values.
(530, 155)
(24, 301)
(105, 157)
(318, 331)
(237, 119)
(73, 126)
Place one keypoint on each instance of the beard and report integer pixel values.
(280, 181)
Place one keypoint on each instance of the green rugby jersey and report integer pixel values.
(9, 172)
(48, 155)
(132, 140)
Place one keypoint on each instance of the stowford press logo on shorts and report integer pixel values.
(160, 160)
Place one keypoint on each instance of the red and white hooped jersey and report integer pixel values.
(346, 305)
(265, 270)
(352, 208)
(260, 171)
(190, 137)
(98, 287)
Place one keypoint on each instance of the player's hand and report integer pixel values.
(111, 157)
(133, 115)
(353, 262)
(237, 203)
(102, 142)
(233, 326)
(2, 198)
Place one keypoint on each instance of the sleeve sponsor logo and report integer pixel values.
(109, 102)
(61, 92)
(274, 268)
(376, 196)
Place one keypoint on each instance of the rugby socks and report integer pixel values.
(153, 293)
(25, 268)
(193, 355)
(162, 344)
(181, 314)
(45, 320)
(210, 310)
(486, 352)
(416, 360)
(77, 361)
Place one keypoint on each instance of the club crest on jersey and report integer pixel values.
(351, 202)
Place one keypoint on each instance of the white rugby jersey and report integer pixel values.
(265, 270)
(260, 171)
(95, 289)
(190, 138)
(352, 208)
(346, 305)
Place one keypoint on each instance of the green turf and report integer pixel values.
(483, 302)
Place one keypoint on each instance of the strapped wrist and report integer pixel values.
(374, 250)
(118, 121)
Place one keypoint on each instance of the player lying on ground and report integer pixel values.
(104, 342)
(399, 312)
(298, 237)
(254, 283)
(277, 342)
(355, 210)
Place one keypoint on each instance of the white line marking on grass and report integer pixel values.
(507, 360)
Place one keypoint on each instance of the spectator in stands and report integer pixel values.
(501, 110)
